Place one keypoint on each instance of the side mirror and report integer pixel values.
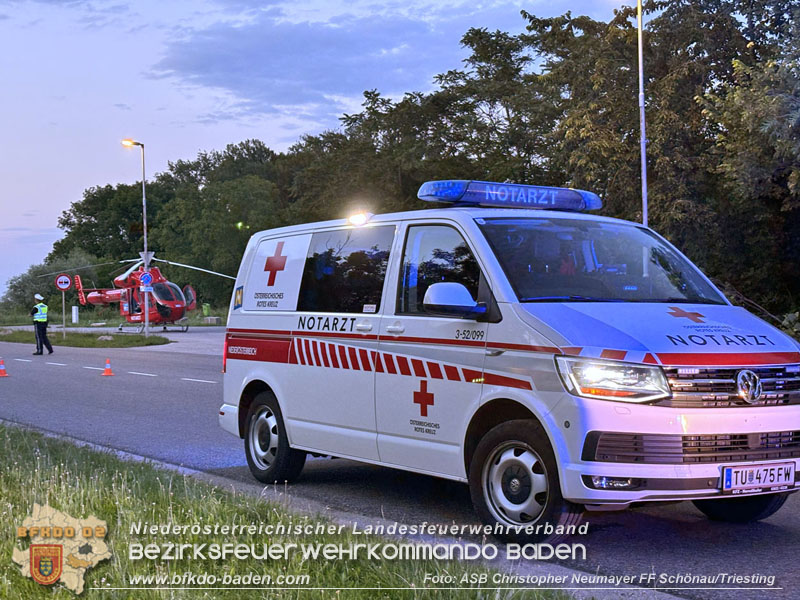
(452, 299)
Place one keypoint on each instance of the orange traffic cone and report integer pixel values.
(108, 371)
(3, 369)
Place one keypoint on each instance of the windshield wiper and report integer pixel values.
(569, 298)
(683, 301)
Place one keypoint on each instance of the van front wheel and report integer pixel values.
(741, 510)
(513, 480)
(266, 444)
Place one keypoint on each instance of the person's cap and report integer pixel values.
(39, 297)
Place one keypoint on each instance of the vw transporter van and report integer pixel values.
(554, 360)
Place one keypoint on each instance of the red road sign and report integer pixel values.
(63, 282)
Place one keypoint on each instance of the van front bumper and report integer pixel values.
(668, 454)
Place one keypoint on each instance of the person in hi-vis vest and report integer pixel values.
(39, 314)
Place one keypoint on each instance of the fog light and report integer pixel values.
(614, 483)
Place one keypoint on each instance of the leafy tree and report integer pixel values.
(39, 279)
(756, 118)
(108, 220)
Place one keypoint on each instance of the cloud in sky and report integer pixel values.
(274, 65)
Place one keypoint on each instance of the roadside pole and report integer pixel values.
(63, 283)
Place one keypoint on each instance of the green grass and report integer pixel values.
(14, 317)
(83, 482)
(83, 340)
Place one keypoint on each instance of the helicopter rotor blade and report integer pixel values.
(112, 262)
(193, 267)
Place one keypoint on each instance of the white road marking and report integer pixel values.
(145, 374)
(95, 368)
(197, 380)
(23, 359)
(58, 364)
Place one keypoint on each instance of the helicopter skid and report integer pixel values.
(138, 328)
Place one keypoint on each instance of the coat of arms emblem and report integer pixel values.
(46, 563)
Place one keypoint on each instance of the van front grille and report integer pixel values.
(716, 387)
(680, 449)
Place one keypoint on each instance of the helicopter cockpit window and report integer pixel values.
(176, 291)
(163, 292)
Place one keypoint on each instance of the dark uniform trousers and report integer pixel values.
(40, 328)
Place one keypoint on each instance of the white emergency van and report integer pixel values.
(555, 361)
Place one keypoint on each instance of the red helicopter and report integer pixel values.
(168, 303)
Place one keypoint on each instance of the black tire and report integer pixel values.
(512, 461)
(745, 509)
(266, 444)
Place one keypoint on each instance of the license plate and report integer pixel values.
(751, 479)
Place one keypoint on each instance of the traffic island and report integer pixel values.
(85, 340)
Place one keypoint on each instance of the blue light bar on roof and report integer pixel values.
(508, 195)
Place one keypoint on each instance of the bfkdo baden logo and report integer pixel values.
(61, 547)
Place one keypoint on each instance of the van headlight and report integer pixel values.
(607, 380)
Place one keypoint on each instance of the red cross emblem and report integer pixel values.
(275, 263)
(424, 398)
(692, 316)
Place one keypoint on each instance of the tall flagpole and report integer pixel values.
(642, 136)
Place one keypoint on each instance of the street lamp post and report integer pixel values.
(128, 143)
(642, 134)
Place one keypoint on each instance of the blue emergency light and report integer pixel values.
(465, 192)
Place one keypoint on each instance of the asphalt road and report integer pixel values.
(163, 402)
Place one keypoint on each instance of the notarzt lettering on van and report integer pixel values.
(342, 324)
(720, 340)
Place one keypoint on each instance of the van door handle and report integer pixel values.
(364, 326)
(396, 328)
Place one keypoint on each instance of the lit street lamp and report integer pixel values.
(128, 143)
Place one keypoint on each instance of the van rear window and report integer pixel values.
(345, 270)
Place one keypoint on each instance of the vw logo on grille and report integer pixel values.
(749, 386)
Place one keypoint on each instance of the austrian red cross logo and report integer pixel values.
(275, 263)
(692, 316)
(424, 398)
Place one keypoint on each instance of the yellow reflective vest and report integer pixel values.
(41, 313)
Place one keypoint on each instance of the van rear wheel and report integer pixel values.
(513, 480)
(266, 444)
(741, 510)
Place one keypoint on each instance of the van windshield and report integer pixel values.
(558, 260)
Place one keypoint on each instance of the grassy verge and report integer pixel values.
(14, 317)
(111, 317)
(83, 482)
(84, 340)
(102, 314)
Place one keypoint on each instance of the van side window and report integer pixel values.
(434, 253)
(345, 269)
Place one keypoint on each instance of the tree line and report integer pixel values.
(555, 105)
